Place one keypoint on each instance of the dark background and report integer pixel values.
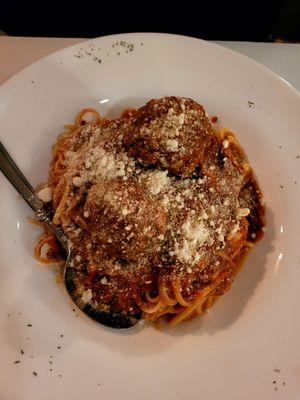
(264, 20)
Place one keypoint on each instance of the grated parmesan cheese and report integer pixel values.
(225, 144)
(235, 228)
(172, 145)
(157, 181)
(194, 237)
(87, 296)
(45, 194)
(181, 119)
(100, 163)
(77, 181)
(125, 212)
(220, 233)
(243, 212)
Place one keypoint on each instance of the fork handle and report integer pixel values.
(12, 172)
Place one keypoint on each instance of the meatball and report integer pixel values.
(123, 218)
(173, 133)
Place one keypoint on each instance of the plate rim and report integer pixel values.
(235, 53)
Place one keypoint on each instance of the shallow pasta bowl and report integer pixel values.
(252, 333)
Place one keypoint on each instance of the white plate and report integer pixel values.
(231, 353)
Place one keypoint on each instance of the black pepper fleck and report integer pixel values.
(34, 373)
(29, 325)
(60, 375)
(22, 351)
(118, 53)
(277, 370)
(51, 369)
(17, 361)
(281, 186)
(61, 335)
(298, 156)
(142, 44)
(58, 347)
(274, 382)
